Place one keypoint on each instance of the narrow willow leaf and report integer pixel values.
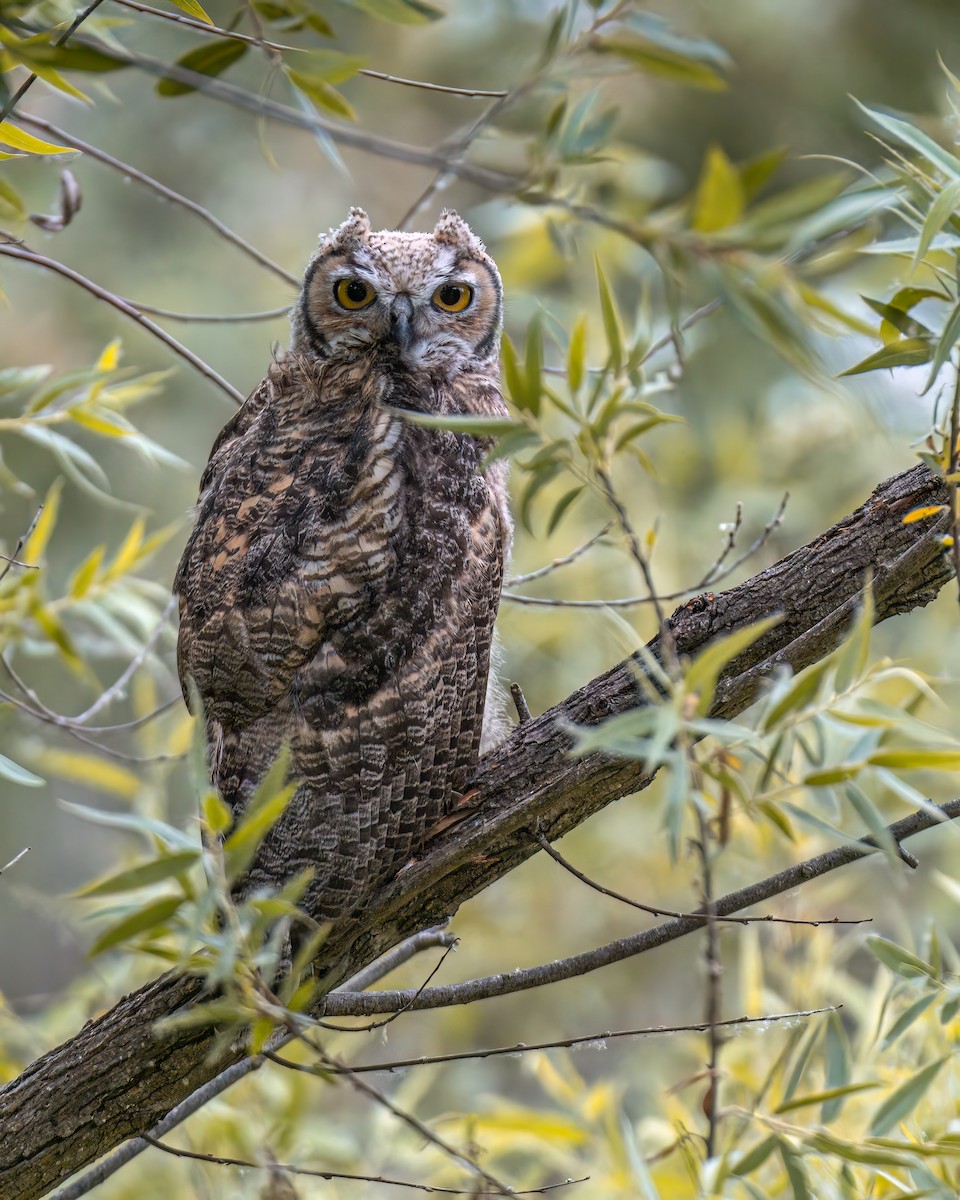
(145, 920)
(91, 771)
(149, 827)
(576, 356)
(917, 758)
(515, 378)
(659, 60)
(86, 573)
(719, 199)
(211, 59)
(918, 514)
(857, 1152)
(36, 543)
(940, 211)
(216, 814)
(17, 774)
(193, 9)
(328, 65)
(911, 136)
(533, 365)
(847, 1089)
(18, 139)
(852, 657)
(906, 1019)
(561, 507)
(796, 1172)
(802, 689)
(402, 12)
(896, 322)
(457, 423)
(611, 321)
(837, 1060)
(948, 339)
(904, 1099)
(323, 94)
(702, 674)
(907, 352)
(142, 875)
(902, 962)
(755, 1158)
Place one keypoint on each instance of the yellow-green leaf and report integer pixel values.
(902, 1101)
(193, 9)
(216, 814)
(86, 573)
(918, 514)
(36, 543)
(129, 552)
(898, 959)
(142, 875)
(142, 921)
(611, 320)
(110, 357)
(18, 139)
(316, 88)
(91, 771)
(576, 355)
(329, 65)
(703, 672)
(211, 59)
(829, 1094)
(905, 352)
(916, 758)
(719, 199)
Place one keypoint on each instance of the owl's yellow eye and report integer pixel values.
(453, 297)
(354, 293)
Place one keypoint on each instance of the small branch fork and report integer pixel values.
(13, 560)
(62, 40)
(719, 569)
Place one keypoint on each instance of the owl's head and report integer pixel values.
(432, 300)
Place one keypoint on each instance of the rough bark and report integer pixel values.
(116, 1078)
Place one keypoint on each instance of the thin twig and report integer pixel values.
(317, 1173)
(50, 264)
(16, 858)
(564, 561)
(12, 560)
(953, 458)
(506, 983)
(167, 314)
(116, 689)
(684, 916)
(61, 40)
(711, 955)
(588, 1039)
(112, 1163)
(216, 31)
(407, 1118)
(719, 570)
(161, 189)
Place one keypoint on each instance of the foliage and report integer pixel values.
(624, 256)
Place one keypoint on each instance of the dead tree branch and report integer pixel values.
(118, 1077)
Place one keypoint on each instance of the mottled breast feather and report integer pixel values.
(337, 594)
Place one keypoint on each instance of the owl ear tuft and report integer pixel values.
(354, 230)
(452, 230)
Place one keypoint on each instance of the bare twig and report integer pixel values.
(507, 983)
(61, 40)
(12, 559)
(16, 858)
(588, 1040)
(711, 955)
(520, 703)
(161, 189)
(117, 689)
(719, 570)
(290, 1169)
(565, 560)
(40, 260)
(215, 31)
(407, 1118)
(167, 314)
(396, 957)
(953, 459)
(685, 916)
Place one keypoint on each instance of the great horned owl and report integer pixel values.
(340, 585)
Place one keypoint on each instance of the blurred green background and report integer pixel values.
(753, 428)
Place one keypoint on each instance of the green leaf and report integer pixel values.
(142, 875)
(755, 1158)
(834, 1093)
(852, 657)
(216, 814)
(902, 1101)
(264, 809)
(803, 688)
(904, 132)
(907, 1018)
(401, 12)
(948, 339)
(899, 960)
(516, 380)
(719, 199)
(702, 674)
(561, 507)
(17, 774)
(152, 917)
(18, 139)
(315, 88)
(916, 758)
(611, 321)
(462, 423)
(796, 1172)
(940, 211)
(659, 60)
(534, 365)
(896, 320)
(212, 59)
(175, 838)
(328, 65)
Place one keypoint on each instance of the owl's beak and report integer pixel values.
(401, 321)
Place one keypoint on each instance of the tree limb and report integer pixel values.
(118, 1077)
